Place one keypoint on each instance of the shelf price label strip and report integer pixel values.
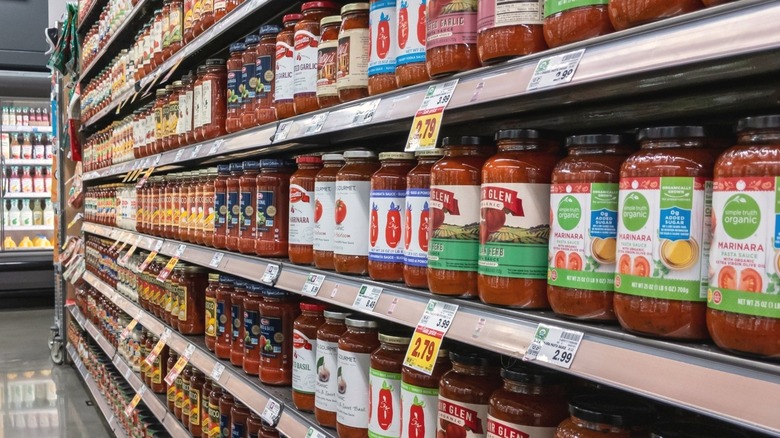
(554, 345)
(428, 335)
(427, 120)
(367, 297)
(555, 70)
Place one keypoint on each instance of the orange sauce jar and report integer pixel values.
(455, 191)
(237, 319)
(302, 210)
(352, 211)
(352, 54)
(210, 313)
(420, 397)
(304, 369)
(235, 82)
(191, 282)
(277, 316)
(464, 393)
(234, 206)
(510, 31)
(631, 13)
(418, 218)
(387, 219)
(220, 207)
(451, 44)
(354, 362)
(265, 62)
(515, 220)
(383, 46)
(569, 22)
(326, 385)
(246, 200)
(307, 37)
(252, 301)
(324, 210)
(224, 340)
(606, 415)
(284, 85)
(327, 94)
(249, 82)
(410, 68)
(384, 378)
(272, 207)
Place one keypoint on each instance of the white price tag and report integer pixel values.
(367, 297)
(128, 371)
(216, 259)
(158, 245)
(195, 151)
(215, 147)
(180, 250)
(179, 153)
(555, 70)
(314, 433)
(272, 412)
(271, 274)
(188, 351)
(315, 124)
(156, 160)
(313, 284)
(216, 373)
(554, 345)
(365, 112)
(282, 131)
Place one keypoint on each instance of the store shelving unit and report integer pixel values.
(21, 128)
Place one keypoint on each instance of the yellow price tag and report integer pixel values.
(423, 351)
(166, 271)
(425, 130)
(147, 260)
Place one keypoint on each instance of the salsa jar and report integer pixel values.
(508, 31)
(420, 397)
(631, 13)
(247, 219)
(661, 276)
(583, 228)
(237, 321)
(464, 393)
(383, 46)
(326, 385)
(252, 301)
(234, 213)
(352, 211)
(210, 314)
(410, 68)
(235, 82)
(213, 106)
(327, 94)
(284, 85)
(265, 64)
(248, 82)
(307, 38)
(277, 315)
(454, 229)
(532, 402)
(303, 210)
(388, 219)
(224, 339)
(354, 361)
(272, 207)
(451, 48)
(514, 219)
(569, 22)
(304, 341)
(607, 415)
(352, 53)
(219, 240)
(418, 218)
(743, 206)
(191, 286)
(325, 202)
(384, 381)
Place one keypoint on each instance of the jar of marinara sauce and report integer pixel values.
(661, 275)
(171, 389)
(239, 414)
(192, 282)
(219, 240)
(248, 82)
(532, 402)
(451, 48)
(514, 30)
(188, 21)
(272, 207)
(455, 189)
(352, 211)
(277, 316)
(326, 385)
(304, 370)
(210, 316)
(284, 85)
(197, 105)
(383, 46)
(631, 13)
(302, 210)
(583, 228)
(384, 379)
(213, 107)
(569, 22)
(205, 235)
(197, 381)
(204, 17)
(327, 94)
(418, 218)
(215, 428)
(186, 405)
(235, 81)
(410, 66)
(234, 212)
(387, 218)
(464, 393)
(352, 61)
(205, 420)
(237, 321)
(606, 415)
(514, 219)
(248, 219)
(265, 61)
(354, 361)
(252, 301)
(224, 339)
(743, 212)
(420, 397)
(307, 37)
(226, 403)
(325, 201)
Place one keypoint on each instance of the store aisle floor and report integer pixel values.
(38, 398)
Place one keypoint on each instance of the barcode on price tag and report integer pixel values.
(367, 297)
(313, 284)
(427, 338)
(271, 274)
(216, 258)
(271, 412)
(554, 345)
(365, 112)
(555, 70)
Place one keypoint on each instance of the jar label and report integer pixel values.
(188, 14)
(233, 210)
(234, 89)
(182, 295)
(324, 215)
(220, 5)
(264, 76)
(266, 211)
(184, 123)
(157, 36)
(173, 118)
(224, 425)
(351, 216)
(411, 32)
(326, 384)
(499, 13)
(220, 209)
(284, 87)
(455, 228)
(211, 316)
(514, 230)
(304, 370)
(383, 44)
(246, 209)
(385, 393)
(236, 314)
(175, 26)
(205, 107)
(662, 246)
(352, 381)
(305, 67)
(157, 371)
(501, 429)
(197, 99)
(272, 336)
(197, 11)
(171, 394)
(238, 430)
(301, 219)
(326, 69)
(222, 318)
(194, 407)
(249, 81)
(352, 59)
(552, 7)
(209, 216)
(452, 22)
(179, 403)
(416, 227)
(420, 410)
(462, 419)
(386, 224)
(186, 402)
(251, 329)
(745, 276)
(583, 236)
(214, 419)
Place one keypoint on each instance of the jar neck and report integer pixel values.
(309, 166)
(599, 150)
(311, 313)
(251, 172)
(461, 151)
(360, 160)
(428, 160)
(290, 25)
(474, 370)
(333, 321)
(535, 145)
(531, 388)
(673, 143)
(336, 164)
(759, 136)
(267, 39)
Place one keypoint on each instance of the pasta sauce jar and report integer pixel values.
(326, 385)
(354, 357)
(352, 210)
(277, 315)
(451, 44)
(661, 277)
(324, 210)
(352, 54)
(387, 219)
(248, 82)
(631, 13)
(272, 207)
(237, 321)
(606, 415)
(252, 302)
(583, 228)
(304, 370)
(307, 37)
(410, 66)
(327, 94)
(514, 29)
(743, 206)
(569, 22)
(420, 397)
(213, 106)
(464, 393)
(514, 219)
(220, 207)
(303, 210)
(384, 379)
(211, 311)
(265, 66)
(454, 242)
(383, 45)
(233, 206)
(247, 218)
(284, 85)
(235, 80)
(224, 340)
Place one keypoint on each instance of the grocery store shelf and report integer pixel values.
(29, 227)
(27, 196)
(87, 18)
(28, 162)
(248, 389)
(22, 128)
(698, 377)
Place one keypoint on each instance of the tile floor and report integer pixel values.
(38, 398)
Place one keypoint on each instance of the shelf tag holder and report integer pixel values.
(215, 147)
(158, 347)
(316, 123)
(126, 257)
(271, 274)
(282, 131)
(144, 264)
(195, 151)
(554, 345)
(134, 402)
(365, 112)
(313, 284)
(427, 120)
(428, 335)
(314, 433)
(555, 70)
(127, 330)
(216, 259)
(367, 297)
(272, 412)
(165, 272)
(216, 372)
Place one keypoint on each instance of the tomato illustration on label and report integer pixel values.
(408, 227)
(317, 211)
(393, 227)
(383, 36)
(417, 419)
(452, 430)
(341, 211)
(421, 34)
(422, 233)
(494, 220)
(385, 408)
(403, 24)
(374, 224)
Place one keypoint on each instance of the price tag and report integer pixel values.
(157, 348)
(126, 331)
(134, 402)
(271, 274)
(123, 261)
(140, 184)
(313, 284)
(111, 248)
(184, 359)
(554, 345)
(195, 151)
(180, 250)
(315, 124)
(365, 112)
(216, 259)
(178, 156)
(271, 412)
(427, 119)
(127, 373)
(555, 70)
(282, 131)
(367, 297)
(216, 373)
(314, 433)
(75, 219)
(166, 271)
(121, 247)
(144, 264)
(215, 147)
(426, 340)
(158, 245)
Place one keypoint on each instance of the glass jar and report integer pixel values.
(234, 206)
(325, 200)
(744, 220)
(213, 108)
(185, 111)
(237, 321)
(352, 62)
(178, 405)
(631, 13)
(252, 301)
(307, 36)
(385, 383)
(205, 420)
(352, 212)
(186, 382)
(214, 412)
(566, 23)
(247, 222)
(206, 19)
(210, 314)
(197, 104)
(171, 389)
(464, 392)
(387, 219)
(667, 178)
(326, 386)
(188, 22)
(226, 403)
(158, 365)
(249, 82)
(455, 191)
(173, 297)
(224, 339)
(175, 30)
(457, 52)
(354, 360)
(265, 61)
(157, 39)
(585, 183)
(420, 397)
(206, 234)
(303, 210)
(173, 115)
(192, 287)
(516, 196)
(159, 130)
(239, 414)
(284, 84)
(417, 211)
(235, 80)
(327, 94)
(514, 30)
(304, 370)
(219, 240)
(224, 7)
(410, 67)
(197, 381)
(606, 415)
(383, 46)
(272, 207)
(277, 315)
